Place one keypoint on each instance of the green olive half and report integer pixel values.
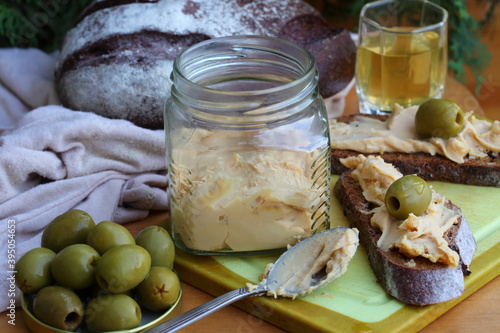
(439, 118)
(406, 195)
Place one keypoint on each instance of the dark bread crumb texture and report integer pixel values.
(421, 284)
(474, 171)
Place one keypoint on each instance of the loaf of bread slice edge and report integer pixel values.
(477, 171)
(415, 281)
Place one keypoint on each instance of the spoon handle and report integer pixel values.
(203, 310)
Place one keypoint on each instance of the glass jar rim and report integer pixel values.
(242, 42)
(429, 27)
(244, 80)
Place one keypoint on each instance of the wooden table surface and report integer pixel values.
(479, 312)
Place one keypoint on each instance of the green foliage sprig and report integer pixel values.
(37, 23)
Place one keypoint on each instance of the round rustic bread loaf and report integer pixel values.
(117, 59)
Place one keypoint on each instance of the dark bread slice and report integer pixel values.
(419, 284)
(477, 171)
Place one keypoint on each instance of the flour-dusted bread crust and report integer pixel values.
(117, 59)
(478, 171)
(420, 283)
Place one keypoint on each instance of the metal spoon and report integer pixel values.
(310, 264)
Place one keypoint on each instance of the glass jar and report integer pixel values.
(248, 147)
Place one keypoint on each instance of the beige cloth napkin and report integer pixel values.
(53, 159)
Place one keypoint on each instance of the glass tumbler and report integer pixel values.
(248, 147)
(402, 54)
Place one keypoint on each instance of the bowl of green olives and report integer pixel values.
(89, 277)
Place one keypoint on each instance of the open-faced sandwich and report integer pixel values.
(419, 243)
(436, 140)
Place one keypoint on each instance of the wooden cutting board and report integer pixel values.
(355, 302)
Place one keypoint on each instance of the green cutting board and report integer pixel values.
(355, 302)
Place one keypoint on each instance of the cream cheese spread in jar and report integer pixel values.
(248, 147)
(246, 200)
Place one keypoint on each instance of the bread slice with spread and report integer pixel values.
(419, 260)
(470, 157)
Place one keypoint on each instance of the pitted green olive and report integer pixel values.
(106, 235)
(58, 307)
(408, 194)
(73, 266)
(69, 228)
(122, 268)
(159, 244)
(159, 290)
(33, 270)
(112, 312)
(440, 118)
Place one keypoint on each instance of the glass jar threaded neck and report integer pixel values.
(244, 81)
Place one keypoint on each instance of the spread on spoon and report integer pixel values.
(311, 264)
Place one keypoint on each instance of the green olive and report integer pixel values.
(159, 244)
(112, 312)
(73, 266)
(159, 290)
(58, 307)
(107, 234)
(440, 118)
(122, 268)
(33, 270)
(69, 228)
(408, 194)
